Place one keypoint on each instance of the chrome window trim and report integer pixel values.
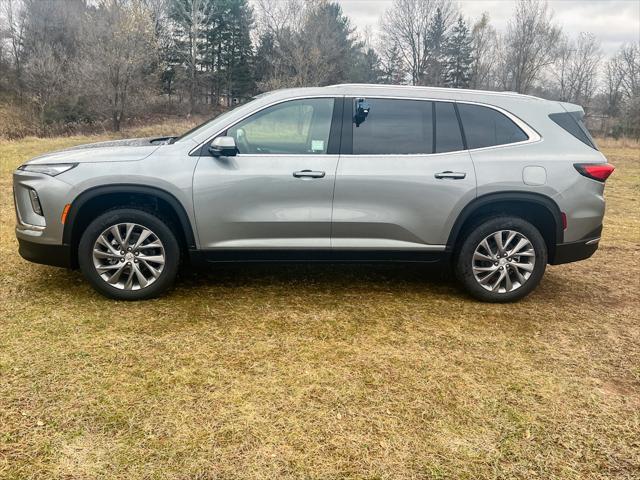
(533, 135)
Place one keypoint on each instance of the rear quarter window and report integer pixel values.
(486, 127)
(573, 122)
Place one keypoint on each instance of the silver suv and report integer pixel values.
(497, 184)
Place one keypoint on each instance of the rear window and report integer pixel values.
(486, 127)
(573, 122)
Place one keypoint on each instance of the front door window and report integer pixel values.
(299, 127)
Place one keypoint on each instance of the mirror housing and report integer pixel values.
(223, 147)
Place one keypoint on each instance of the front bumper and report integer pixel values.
(54, 255)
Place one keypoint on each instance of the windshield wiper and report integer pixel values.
(163, 140)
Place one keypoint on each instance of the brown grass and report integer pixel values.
(323, 372)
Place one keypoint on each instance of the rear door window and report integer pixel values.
(394, 127)
(486, 127)
(448, 135)
(573, 122)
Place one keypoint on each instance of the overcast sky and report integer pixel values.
(613, 21)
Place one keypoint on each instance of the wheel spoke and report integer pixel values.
(508, 284)
(510, 237)
(141, 280)
(104, 241)
(523, 266)
(481, 256)
(485, 269)
(519, 246)
(154, 271)
(115, 231)
(103, 254)
(519, 276)
(486, 246)
(152, 258)
(496, 285)
(127, 235)
(486, 278)
(143, 236)
(129, 283)
(155, 244)
(118, 273)
(497, 237)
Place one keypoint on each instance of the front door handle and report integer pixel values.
(308, 174)
(449, 174)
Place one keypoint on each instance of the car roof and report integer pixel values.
(506, 100)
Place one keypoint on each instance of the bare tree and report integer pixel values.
(120, 44)
(13, 15)
(529, 46)
(485, 44)
(406, 26)
(277, 16)
(629, 65)
(577, 69)
(612, 86)
(45, 74)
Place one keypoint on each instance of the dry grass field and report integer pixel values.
(380, 372)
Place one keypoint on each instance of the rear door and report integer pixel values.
(403, 177)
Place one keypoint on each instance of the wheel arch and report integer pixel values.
(536, 208)
(99, 199)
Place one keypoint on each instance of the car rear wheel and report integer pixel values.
(501, 259)
(129, 254)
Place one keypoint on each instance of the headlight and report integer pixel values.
(52, 169)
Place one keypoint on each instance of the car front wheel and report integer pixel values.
(501, 259)
(129, 254)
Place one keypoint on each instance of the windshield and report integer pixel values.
(203, 126)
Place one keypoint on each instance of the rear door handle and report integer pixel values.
(452, 175)
(308, 174)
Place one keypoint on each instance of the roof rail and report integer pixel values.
(440, 89)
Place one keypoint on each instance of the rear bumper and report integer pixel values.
(575, 251)
(54, 255)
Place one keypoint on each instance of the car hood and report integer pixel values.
(111, 151)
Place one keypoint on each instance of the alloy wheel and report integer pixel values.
(503, 261)
(128, 256)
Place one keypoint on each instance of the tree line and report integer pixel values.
(71, 63)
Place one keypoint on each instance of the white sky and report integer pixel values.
(614, 22)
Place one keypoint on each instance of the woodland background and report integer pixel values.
(81, 66)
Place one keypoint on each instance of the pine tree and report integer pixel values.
(392, 65)
(459, 56)
(435, 45)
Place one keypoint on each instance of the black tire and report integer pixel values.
(463, 261)
(159, 227)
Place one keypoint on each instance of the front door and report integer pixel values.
(406, 178)
(276, 193)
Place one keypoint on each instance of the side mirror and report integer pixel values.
(223, 147)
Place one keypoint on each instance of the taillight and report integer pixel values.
(595, 171)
